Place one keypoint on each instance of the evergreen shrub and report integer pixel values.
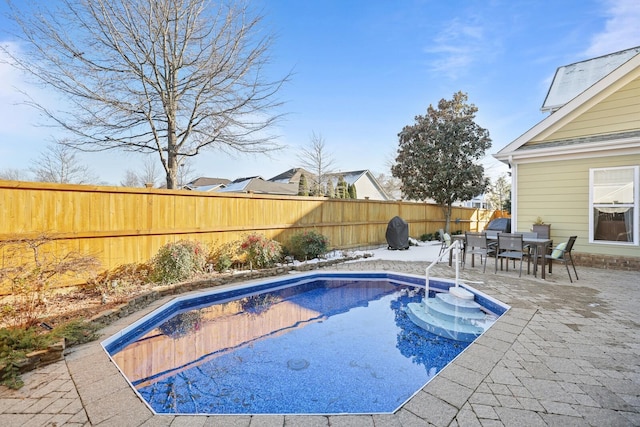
(308, 245)
(179, 261)
(223, 257)
(260, 251)
(426, 237)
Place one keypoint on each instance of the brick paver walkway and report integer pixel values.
(564, 355)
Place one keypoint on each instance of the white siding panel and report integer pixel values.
(366, 188)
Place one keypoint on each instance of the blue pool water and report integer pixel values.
(319, 344)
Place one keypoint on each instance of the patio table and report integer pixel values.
(540, 247)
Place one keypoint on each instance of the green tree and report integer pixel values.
(437, 155)
(352, 191)
(506, 206)
(303, 186)
(499, 194)
(170, 78)
(331, 193)
(341, 188)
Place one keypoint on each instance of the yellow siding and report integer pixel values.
(617, 112)
(558, 192)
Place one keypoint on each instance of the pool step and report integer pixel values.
(448, 316)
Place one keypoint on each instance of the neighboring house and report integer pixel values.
(257, 185)
(293, 176)
(207, 184)
(578, 169)
(367, 187)
(478, 202)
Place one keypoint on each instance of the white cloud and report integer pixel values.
(464, 42)
(15, 91)
(18, 136)
(456, 47)
(622, 28)
(9, 76)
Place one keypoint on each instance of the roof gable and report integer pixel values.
(206, 181)
(292, 175)
(350, 177)
(260, 186)
(356, 177)
(571, 80)
(613, 81)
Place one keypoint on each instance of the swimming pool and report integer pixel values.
(318, 343)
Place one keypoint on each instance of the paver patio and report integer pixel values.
(565, 354)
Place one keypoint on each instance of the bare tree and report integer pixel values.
(186, 173)
(170, 77)
(148, 175)
(58, 163)
(32, 270)
(317, 159)
(390, 185)
(131, 179)
(11, 174)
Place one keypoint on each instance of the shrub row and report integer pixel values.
(180, 261)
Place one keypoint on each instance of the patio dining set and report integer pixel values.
(505, 247)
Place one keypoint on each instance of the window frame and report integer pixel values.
(635, 205)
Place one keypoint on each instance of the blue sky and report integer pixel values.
(364, 69)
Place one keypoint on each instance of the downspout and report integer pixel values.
(514, 194)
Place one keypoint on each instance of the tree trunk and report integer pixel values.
(447, 217)
(172, 163)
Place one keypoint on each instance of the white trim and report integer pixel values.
(610, 148)
(636, 207)
(514, 197)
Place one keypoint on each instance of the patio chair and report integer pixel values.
(445, 238)
(528, 235)
(562, 253)
(492, 234)
(511, 246)
(477, 243)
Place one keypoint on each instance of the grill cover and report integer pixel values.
(397, 234)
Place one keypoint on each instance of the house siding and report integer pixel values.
(558, 192)
(366, 188)
(618, 112)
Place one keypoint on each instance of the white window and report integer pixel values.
(613, 200)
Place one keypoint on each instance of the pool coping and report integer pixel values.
(103, 388)
(564, 354)
(446, 392)
(179, 303)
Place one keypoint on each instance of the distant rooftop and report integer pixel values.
(206, 181)
(571, 80)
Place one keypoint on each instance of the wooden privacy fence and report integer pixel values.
(128, 225)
